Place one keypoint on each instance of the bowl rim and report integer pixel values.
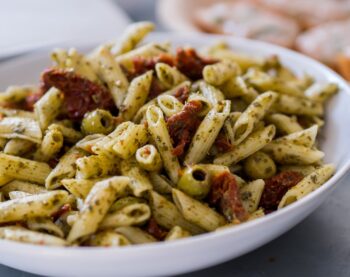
(14, 246)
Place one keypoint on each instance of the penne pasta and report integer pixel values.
(136, 143)
(139, 183)
(159, 132)
(251, 194)
(18, 147)
(169, 76)
(24, 169)
(136, 95)
(131, 37)
(111, 73)
(21, 234)
(149, 50)
(129, 137)
(149, 158)
(96, 205)
(177, 233)
(135, 235)
(284, 124)
(17, 185)
(292, 153)
(65, 168)
(168, 216)
(256, 141)
(133, 214)
(21, 128)
(48, 107)
(307, 185)
(252, 115)
(169, 104)
(196, 212)
(306, 137)
(108, 239)
(297, 106)
(207, 133)
(50, 146)
(218, 73)
(40, 205)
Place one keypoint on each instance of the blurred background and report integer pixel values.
(318, 28)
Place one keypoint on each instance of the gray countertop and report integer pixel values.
(319, 246)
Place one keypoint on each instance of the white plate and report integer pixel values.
(204, 250)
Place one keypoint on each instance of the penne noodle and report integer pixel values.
(197, 213)
(21, 234)
(149, 50)
(133, 214)
(176, 233)
(129, 137)
(159, 132)
(132, 36)
(135, 235)
(20, 127)
(111, 73)
(251, 194)
(160, 183)
(218, 73)
(307, 185)
(292, 153)
(136, 95)
(24, 169)
(142, 111)
(46, 225)
(17, 185)
(169, 76)
(139, 183)
(306, 137)
(40, 205)
(96, 205)
(65, 168)
(297, 106)
(149, 158)
(168, 216)
(211, 93)
(252, 115)
(96, 166)
(169, 104)
(207, 133)
(284, 124)
(18, 147)
(50, 146)
(256, 141)
(108, 238)
(48, 107)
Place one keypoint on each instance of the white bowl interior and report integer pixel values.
(204, 250)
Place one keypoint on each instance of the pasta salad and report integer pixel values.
(134, 143)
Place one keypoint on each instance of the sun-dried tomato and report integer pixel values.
(155, 89)
(80, 94)
(276, 187)
(182, 94)
(143, 64)
(190, 63)
(155, 230)
(62, 210)
(222, 143)
(183, 125)
(224, 195)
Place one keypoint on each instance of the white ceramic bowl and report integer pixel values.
(204, 250)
